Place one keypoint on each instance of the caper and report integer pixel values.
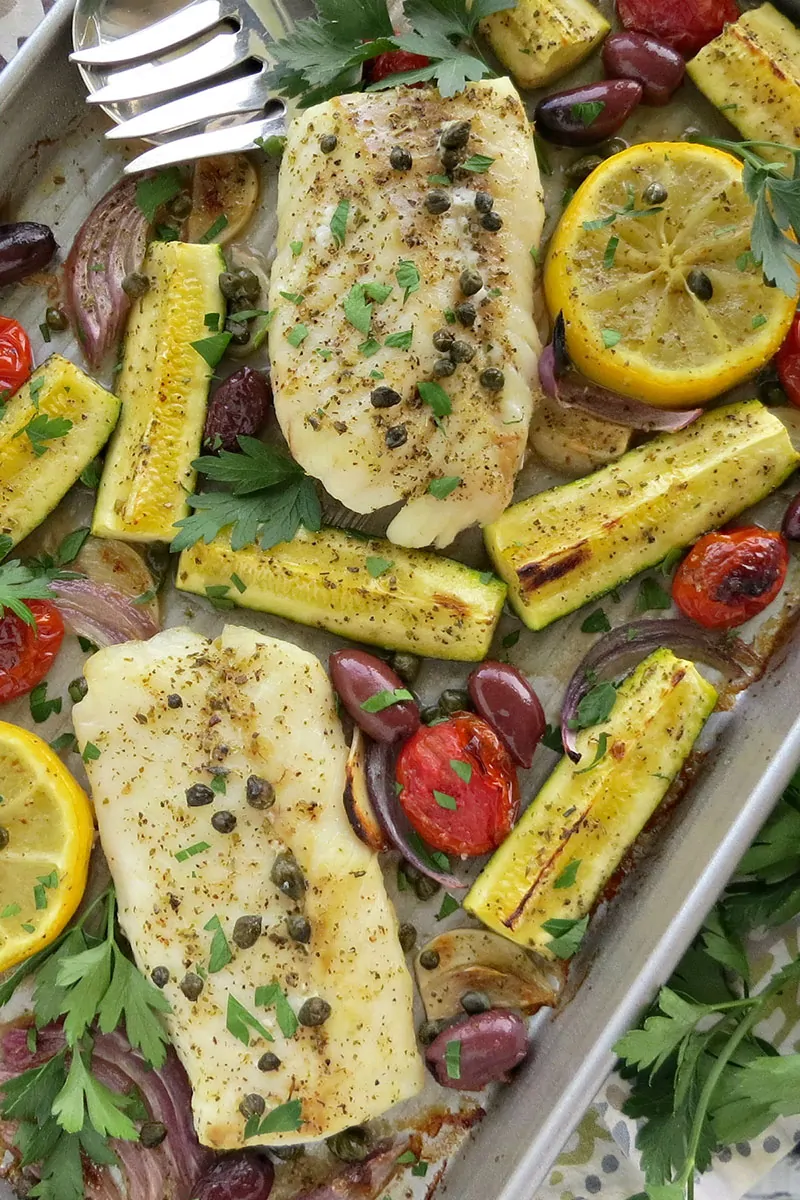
(401, 159)
(698, 282)
(493, 379)
(771, 392)
(259, 792)
(230, 285)
(466, 313)
(287, 876)
(135, 285)
(77, 689)
(160, 976)
(314, 1012)
(286, 1153)
(269, 1062)
(492, 221)
(691, 134)
(223, 821)
(151, 1134)
(456, 135)
(451, 159)
(240, 334)
(174, 700)
(654, 193)
(430, 713)
(407, 934)
(180, 206)
(191, 985)
(484, 202)
(475, 1002)
(582, 168)
(56, 319)
(396, 436)
(249, 282)
(198, 795)
(429, 959)
(443, 340)
(443, 367)
(614, 146)
(462, 352)
(252, 1105)
(437, 201)
(429, 1031)
(246, 931)
(384, 397)
(470, 282)
(351, 1145)
(406, 665)
(298, 927)
(426, 888)
(453, 700)
(328, 143)
(3, 837)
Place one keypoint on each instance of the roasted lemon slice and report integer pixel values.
(651, 265)
(46, 831)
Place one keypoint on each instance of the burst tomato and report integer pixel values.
(686, 25)
(16, 360)
(459, 786)
(392, 63)
(27, 652)
(788, 362)
(726, 578)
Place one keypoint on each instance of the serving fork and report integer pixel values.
(195, 80)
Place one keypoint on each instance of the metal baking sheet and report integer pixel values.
(54, 167)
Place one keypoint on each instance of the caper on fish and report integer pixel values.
(287, 876)
(246, 931)
(350, 1145)
(259, 792)
(314, 1012)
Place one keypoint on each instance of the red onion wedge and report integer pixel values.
(110, 244)
(360, 1181)
(564, 384)
(627, 645)
(381, 763)
(169, 1169)
(102, 614)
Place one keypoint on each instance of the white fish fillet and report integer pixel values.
(323, 384)
(271, 705)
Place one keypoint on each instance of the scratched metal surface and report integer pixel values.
(53, 167)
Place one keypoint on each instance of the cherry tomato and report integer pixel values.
(26, 652)
(686, 25)
(788, 362)
(16, 360)
(392, 63)
(459, 786)
(726, 578)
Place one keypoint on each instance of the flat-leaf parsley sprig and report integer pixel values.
(323, 56)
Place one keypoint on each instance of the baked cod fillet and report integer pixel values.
(347, 219)
(249, 706)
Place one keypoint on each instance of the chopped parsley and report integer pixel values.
(41, 707)
(568, 876)
(155, 190)
(449, 905)
(191, 851)
(408, 277)
(596, 622)
(401, 340)
(443, 486)
(567, 935)
(452, 1059)
(385, 699)
(444, 800)
(213, 348)
(297, 334)
(215, 229)
(221, 953)
(267, 997)
(462, 769)
(587, 111)
(239, 1022)
(339, 222)
(377, 566)
(477, 163)
(611, 337)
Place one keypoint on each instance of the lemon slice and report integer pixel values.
(46, 832)
(620, 266)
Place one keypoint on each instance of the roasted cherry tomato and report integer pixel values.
(459, 786)
(16, 360)
(788, 362)
(27, 652)
(686, 25)
(392, 63)
(726, 578)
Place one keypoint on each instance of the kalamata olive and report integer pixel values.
(479, 1050)
(653, 64)
(584, 115)
(791, 520)
(25, 247)
(240, 1176)
(362, 680)
(239, 406)
(504, 698)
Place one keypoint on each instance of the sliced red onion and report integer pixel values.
(110, 244)
(627, 645)
(360, 1181)
(170, 1169)
(381, 764)
(102, 614)
(564, 384)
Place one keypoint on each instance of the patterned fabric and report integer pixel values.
(600, 1157)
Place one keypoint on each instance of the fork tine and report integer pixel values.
(239, 96)
(155, 39)
(204, 145)
(222, 52)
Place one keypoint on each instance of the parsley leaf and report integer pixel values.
(567, 935)
(443, 486)
(568, 876)
(239, 1022)
(408, 277)
(83, 1095)
(587, 111)
(357, 309)
(600, 753)
(596, 622)
(452, 1059)
(477, 163)
(449, 905)
(595, 706)
(220, 947)
(41, 707)
(286, 1118)
(19, 583)
(434, 395)
(339, 221)
(274, 995)
(401, 340)
(213, 348)
(377, 566)
(651, 595)
(41, 429)
(258, 466)
(462, 769)
(267, 517)
(385, 699)
(155, 190)
(444, 800)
